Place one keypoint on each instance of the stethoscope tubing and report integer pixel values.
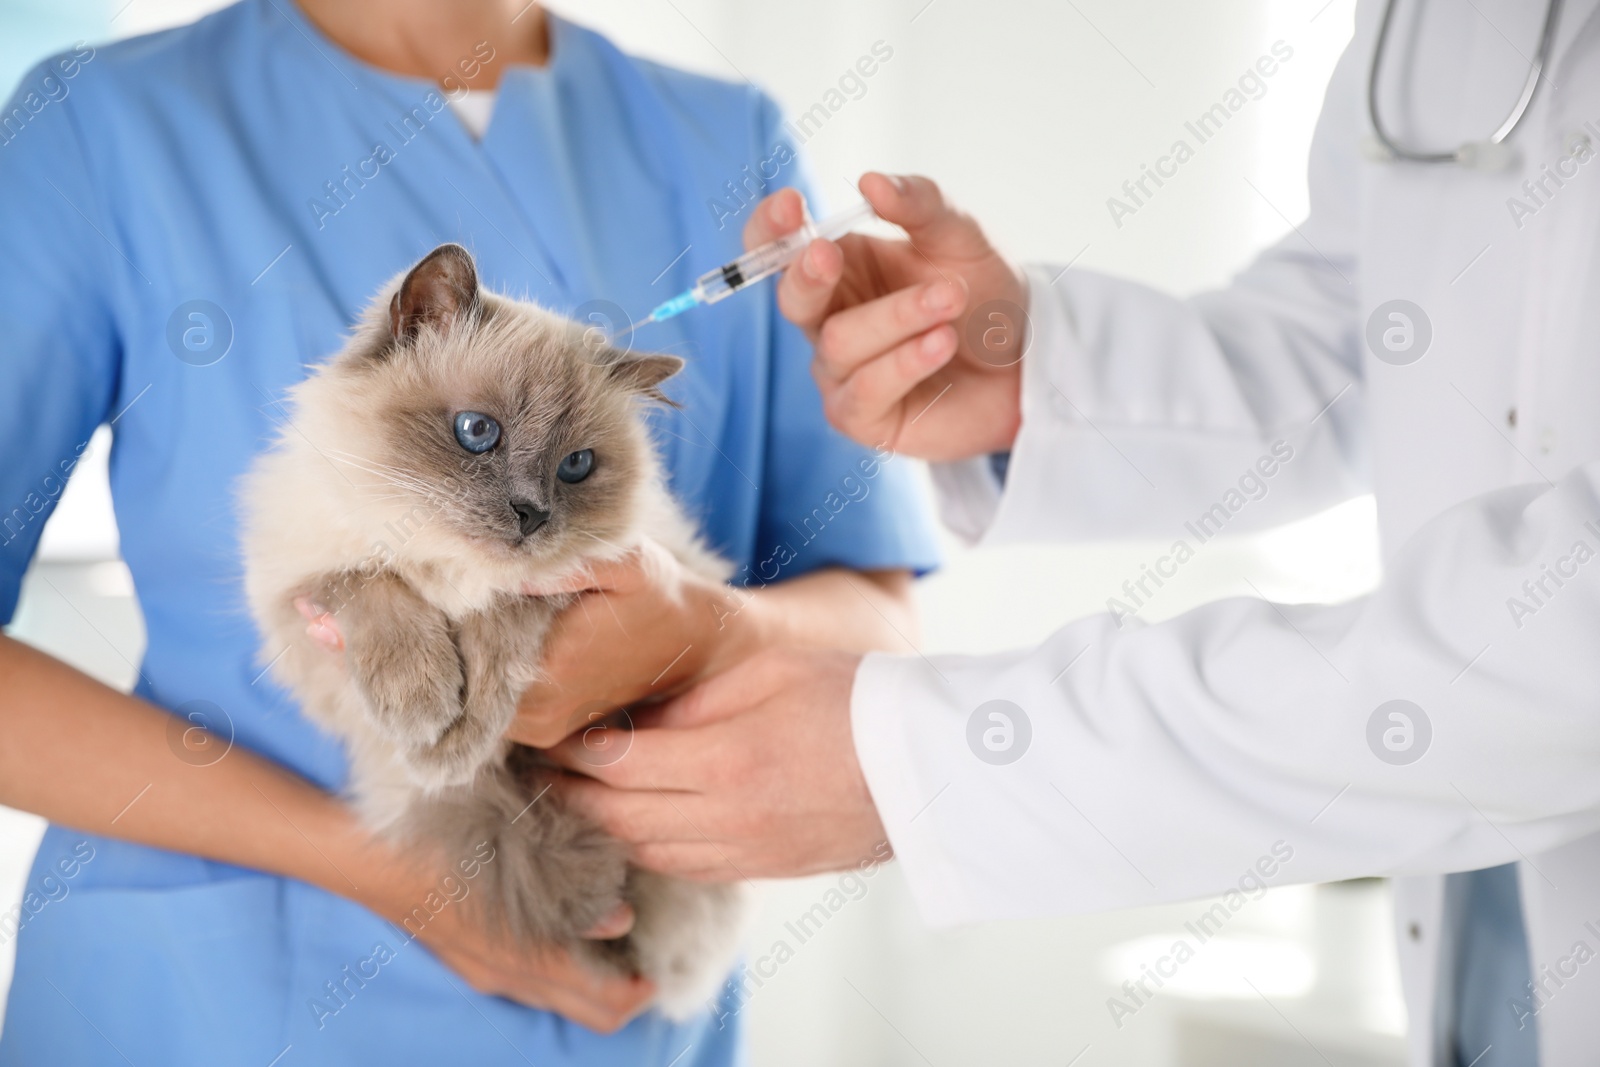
(1524, 99)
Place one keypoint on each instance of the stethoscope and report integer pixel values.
(1492, 154)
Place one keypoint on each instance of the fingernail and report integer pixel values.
(941, 297)
(813, 264)
(785, 212)
(933, 344)
(898, 182)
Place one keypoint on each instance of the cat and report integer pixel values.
(459, 447)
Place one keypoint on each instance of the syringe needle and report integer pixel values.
(753, 266)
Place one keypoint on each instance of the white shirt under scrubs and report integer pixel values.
(1431, 334)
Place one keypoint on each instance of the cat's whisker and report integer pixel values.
(385, 475)
(368, 464)
(386, 482)
(682, 438)
(618, 618)
(363, 466)
(584, 607)
(609, 544)
(357, 457)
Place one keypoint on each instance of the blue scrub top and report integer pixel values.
(245, 168)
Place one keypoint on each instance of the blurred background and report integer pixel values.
(1031, 113)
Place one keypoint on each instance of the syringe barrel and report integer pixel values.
(770, 258)
(754, 265)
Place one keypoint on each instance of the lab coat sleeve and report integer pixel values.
(1170, 761)
(1141, 412)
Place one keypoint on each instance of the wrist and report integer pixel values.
(1008, 419)
(357, 864)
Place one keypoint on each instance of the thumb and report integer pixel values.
(917, 205)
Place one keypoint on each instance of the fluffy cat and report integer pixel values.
(460, 446)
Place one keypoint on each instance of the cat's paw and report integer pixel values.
(454, 755)
(497, 649)
(686, 936)
(405, 663)
(413, 690)
(419, 715)
(554, 875)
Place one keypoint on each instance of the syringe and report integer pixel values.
(754, 265)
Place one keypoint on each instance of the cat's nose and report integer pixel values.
(529, 516)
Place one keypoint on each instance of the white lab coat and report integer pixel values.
(1166, 761)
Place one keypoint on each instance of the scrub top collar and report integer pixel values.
(525, 163)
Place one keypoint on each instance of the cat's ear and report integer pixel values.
(644, 374)
(439, 289)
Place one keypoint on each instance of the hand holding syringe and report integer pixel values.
(754, 265)
(918, 341)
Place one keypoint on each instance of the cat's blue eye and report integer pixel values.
(476, 432)
(576, 467)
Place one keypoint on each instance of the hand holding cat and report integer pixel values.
(751, 774)
(641, 626)
(898, 325)
(547, 977)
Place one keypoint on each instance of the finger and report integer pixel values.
(607, 575)
(603, 1004)
(593, 1017)
(618, 921)
(637, 817)
(700, 861)
(805, 291)
(580, 581)
(543, 718)
(875, 391)
(557, 968)
(719, 697)
(778, 214)
(855, 335)
(674, 760)
(917, 205)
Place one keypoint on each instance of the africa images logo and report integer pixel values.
(1399, 732)
(998, 732)
(1399, 332)
(199, 332)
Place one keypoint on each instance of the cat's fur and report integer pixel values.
(370, 507)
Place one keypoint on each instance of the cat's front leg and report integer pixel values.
(499, 653)
(402, 656)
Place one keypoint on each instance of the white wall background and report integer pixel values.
(1031, 113)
